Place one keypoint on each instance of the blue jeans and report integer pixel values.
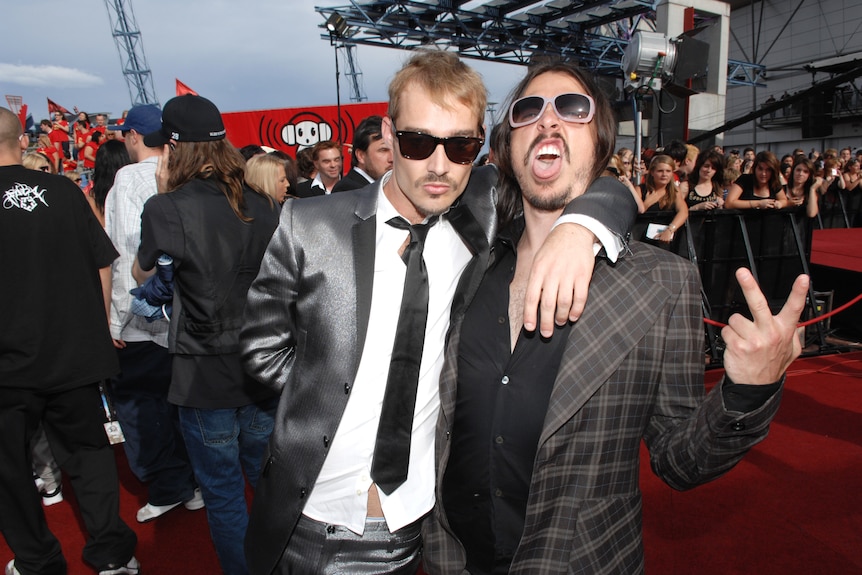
(222, 444)
(154, 446)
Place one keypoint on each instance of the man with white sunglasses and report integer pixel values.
(538, 439)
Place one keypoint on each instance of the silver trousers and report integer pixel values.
(321, 549)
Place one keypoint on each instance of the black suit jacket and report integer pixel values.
(304, 190)
(352, 181)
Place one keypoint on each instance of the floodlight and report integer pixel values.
(337, 25)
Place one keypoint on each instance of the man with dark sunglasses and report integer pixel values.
(323, 327)
(538, 440)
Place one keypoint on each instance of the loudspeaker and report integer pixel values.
(817, 114)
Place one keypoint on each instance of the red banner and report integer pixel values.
(22, 115)
(291, 129)
(55, 107)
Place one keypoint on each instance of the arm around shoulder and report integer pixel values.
(608, 201)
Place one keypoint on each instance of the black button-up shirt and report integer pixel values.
(501, 404)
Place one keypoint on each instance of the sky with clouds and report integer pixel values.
(243, 55)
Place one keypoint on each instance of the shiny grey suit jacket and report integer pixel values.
(632, 369)
(305, 323)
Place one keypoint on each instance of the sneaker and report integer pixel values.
(149, 512)
(10, 568)
(132, 567)
(50, 498)
(196, 502)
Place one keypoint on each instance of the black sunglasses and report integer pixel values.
(418, 146)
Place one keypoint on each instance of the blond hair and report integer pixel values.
(262, 173)
(444, 77)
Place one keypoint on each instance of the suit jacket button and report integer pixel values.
(302, 493)
(325, 441)
(738, 426)
(346, 388)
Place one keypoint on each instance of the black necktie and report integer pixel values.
(392, 448)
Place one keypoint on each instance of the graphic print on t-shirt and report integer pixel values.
(23, 197)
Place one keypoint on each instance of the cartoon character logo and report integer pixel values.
(306, 129)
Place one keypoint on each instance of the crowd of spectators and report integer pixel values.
(712, 179)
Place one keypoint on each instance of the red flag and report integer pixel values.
(22, 115)
(182, 89)
(55, 107)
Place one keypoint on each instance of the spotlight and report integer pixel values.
(337, 25)
(652, 59)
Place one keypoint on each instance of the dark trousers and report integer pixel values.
(318, 548)
(73, 422)
(154, 445)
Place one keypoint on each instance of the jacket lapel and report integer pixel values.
(623, 304)
(364, 233)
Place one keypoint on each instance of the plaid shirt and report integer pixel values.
(133, 186)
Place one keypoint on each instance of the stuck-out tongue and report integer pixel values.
(547, 162)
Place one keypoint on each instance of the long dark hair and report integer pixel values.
(510, 203)
(769, 160)
(110, 157)
(801, 160)
(216, 160)
(717, 161)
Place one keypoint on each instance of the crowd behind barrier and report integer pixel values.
(774, 244)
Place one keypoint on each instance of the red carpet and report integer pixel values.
(837, 248)
(792, 506)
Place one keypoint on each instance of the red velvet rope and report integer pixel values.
(804, 323)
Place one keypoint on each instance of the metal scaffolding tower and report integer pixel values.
(357, 93)
(127, 37)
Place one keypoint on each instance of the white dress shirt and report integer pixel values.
(340, 495)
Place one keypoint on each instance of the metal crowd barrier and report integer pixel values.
(774, 244)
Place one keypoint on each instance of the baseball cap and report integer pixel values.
(143, 119)
(187, 118)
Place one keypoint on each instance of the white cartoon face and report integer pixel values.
(306, 133)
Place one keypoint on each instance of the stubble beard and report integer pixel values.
(545, 197)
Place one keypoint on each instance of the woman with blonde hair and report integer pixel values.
(660, 193)
(36, 161)
(267, 174)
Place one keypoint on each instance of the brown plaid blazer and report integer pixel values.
(632, 369)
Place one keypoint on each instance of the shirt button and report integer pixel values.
(498, 492)
(501, 320)
(499, 439)
(738, 426)
(359, 492)
(505, 380)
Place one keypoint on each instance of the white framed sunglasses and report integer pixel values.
(569, 107)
